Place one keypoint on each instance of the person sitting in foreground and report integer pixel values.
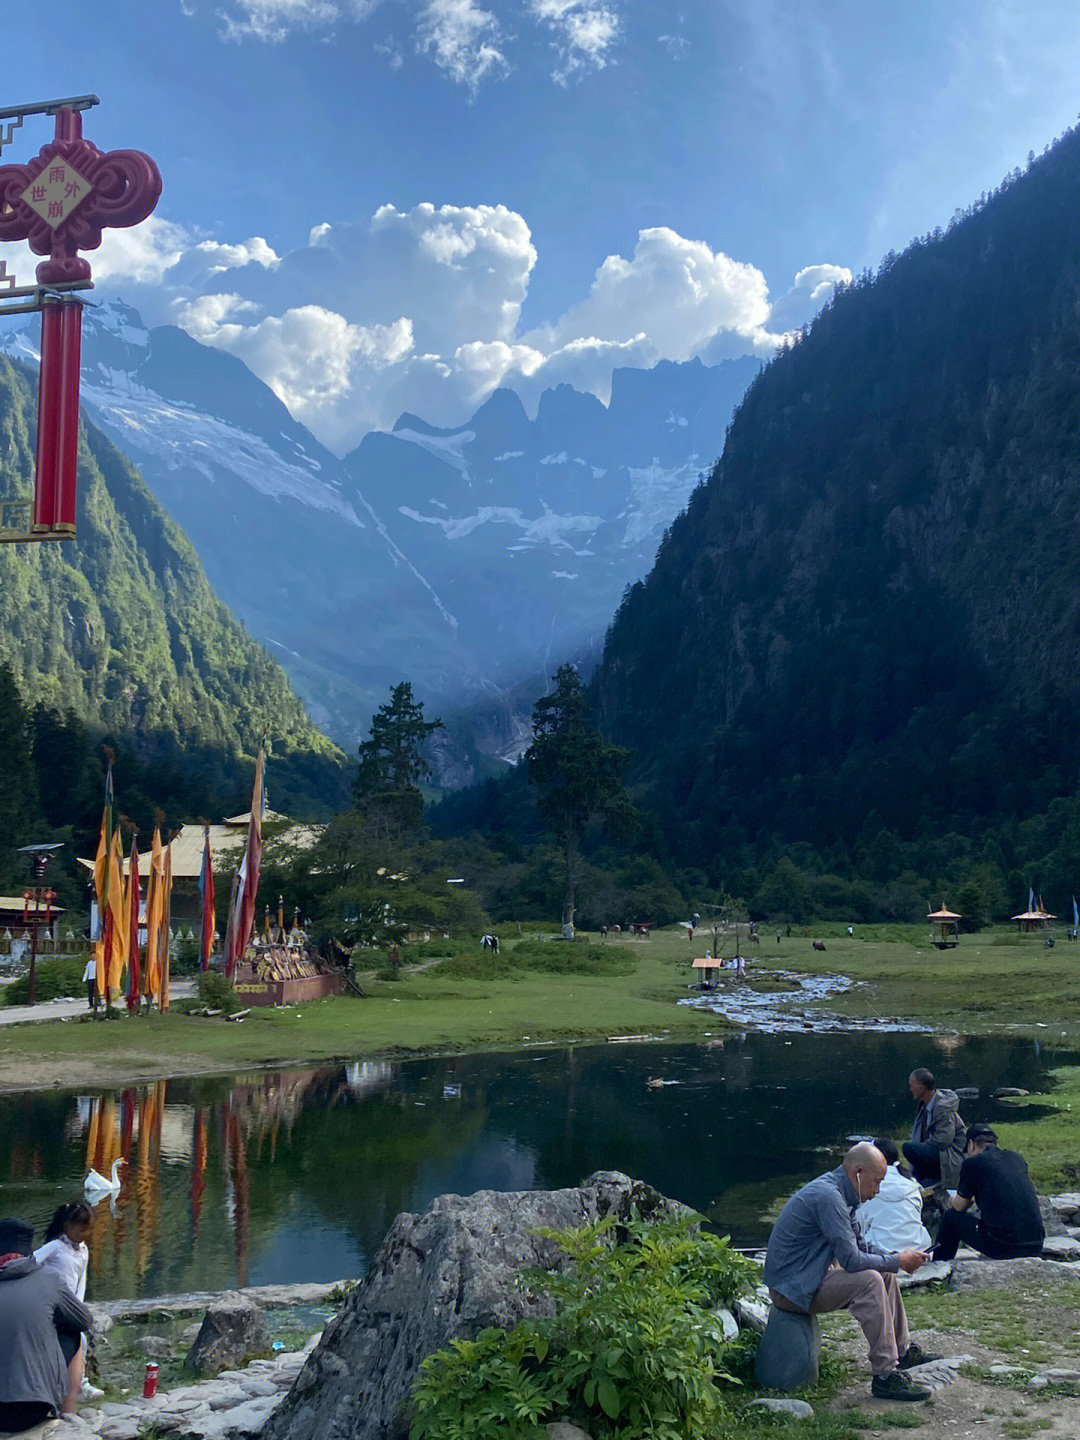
(1010, 1222)
(817, 1261)
(41, 1325)
(892, 1220)
(935, 1151)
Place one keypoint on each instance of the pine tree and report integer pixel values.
(392, 762)
(576, 773)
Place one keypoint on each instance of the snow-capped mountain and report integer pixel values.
(465, 560)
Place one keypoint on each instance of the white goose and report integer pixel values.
(97, 1185)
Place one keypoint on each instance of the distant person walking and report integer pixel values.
(1010, 1221)
(935, 1151)
(89, 976)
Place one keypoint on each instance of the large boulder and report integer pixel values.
(233, 1331)
(446, 1273)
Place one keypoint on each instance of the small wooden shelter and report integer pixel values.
(1030, 921)
(944, 927)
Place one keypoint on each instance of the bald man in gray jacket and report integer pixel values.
(38, 1316)
(818, 1261)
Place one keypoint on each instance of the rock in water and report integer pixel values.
(446, 1273)
(233, 1332)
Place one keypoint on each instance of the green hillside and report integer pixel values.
(121, 626)
(859, 649)
(117, 637)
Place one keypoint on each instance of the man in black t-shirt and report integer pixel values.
(1010, 1222)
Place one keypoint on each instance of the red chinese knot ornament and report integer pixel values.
(60, 202)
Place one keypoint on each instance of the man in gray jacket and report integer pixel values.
(38, 1316)
(935, 1151)
(818, 1261)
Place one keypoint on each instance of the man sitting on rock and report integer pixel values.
(817, 1261)
(39, 1316)
(1010, 1222)
(892, 1220)
(935, 1151)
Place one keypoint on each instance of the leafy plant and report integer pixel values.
(55, 978)
(634, 1347)
(217, 992)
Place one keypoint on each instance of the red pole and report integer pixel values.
(48, 425)
(68, 416)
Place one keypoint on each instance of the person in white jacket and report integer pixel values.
(893, 1218)
(65, 1252)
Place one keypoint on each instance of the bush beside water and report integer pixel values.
(634, 1348)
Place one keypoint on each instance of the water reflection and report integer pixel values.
(296, 1174)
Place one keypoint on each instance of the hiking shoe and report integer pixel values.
(914, 1355)
(89, 1392)
(897, 1386)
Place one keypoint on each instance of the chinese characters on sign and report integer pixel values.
(58, 189)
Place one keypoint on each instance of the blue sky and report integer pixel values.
(397, 204)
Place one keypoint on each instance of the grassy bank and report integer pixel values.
(991, 982)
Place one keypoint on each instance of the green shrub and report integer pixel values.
(55, 979)
(217, 992)
(185, 957)
(635, 1348)
(555, 957)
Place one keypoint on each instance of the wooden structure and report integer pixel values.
(284, 974)
(944, 927)
(707, 965)
(1030, 922)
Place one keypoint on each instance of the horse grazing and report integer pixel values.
(818, 944)
(490, 942)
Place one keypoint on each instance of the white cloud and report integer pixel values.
(678, 291)
(272, 20)
(812, 287)
(585, 33)
(462, 39)
(421, 310)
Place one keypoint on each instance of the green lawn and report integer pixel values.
(989, 983)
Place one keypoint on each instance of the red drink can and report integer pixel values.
(149, 1388)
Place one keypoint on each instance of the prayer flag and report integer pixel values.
(101, 883)
(166, 931)
(206, 894)
(248, 890)
(116, 956)
(133, 927)
(154, 905)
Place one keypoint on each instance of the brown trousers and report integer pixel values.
(875, 1301)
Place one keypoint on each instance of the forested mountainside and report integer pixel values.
(120, 627)
(862, 637)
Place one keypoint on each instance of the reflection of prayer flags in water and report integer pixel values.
(238, 1172)
(147, 1186)
(198, 1168)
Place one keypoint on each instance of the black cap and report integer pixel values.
(16, 1237)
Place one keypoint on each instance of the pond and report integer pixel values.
(294, 1175)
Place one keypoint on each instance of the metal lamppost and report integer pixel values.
(38, 896)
